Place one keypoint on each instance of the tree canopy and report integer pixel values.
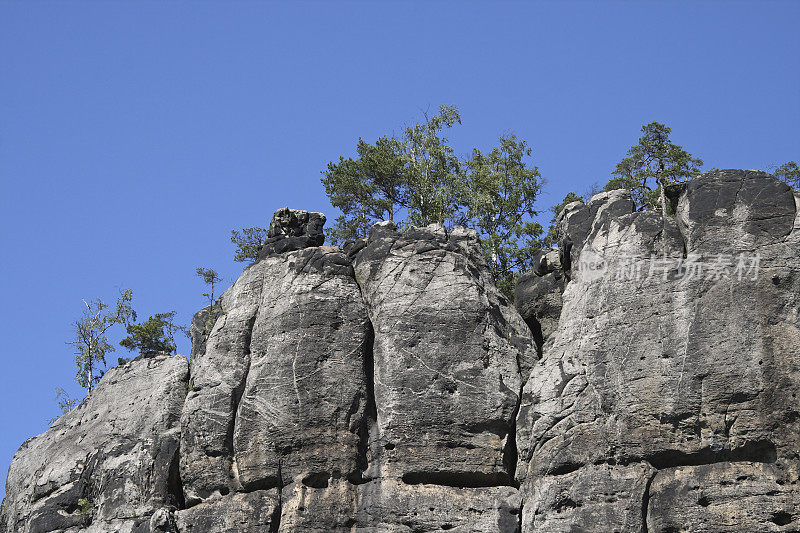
(432, 169)
(652, 163)
(211, 278)
(498, 198)
(370, 188)
(156, 334)
(248, 243)
(65, 402)
(789, 172)
(411, 179)
(417, 179)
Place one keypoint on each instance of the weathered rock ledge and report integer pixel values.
(647, 380)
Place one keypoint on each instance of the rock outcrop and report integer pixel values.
(449, 355)
(646, 380)
(291, 229)
(668, 373)
(110, 463)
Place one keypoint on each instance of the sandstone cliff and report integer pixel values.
(647, 380)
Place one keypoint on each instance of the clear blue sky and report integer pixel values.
(135, 135)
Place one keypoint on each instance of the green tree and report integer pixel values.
(367, 189)
(499, 192)
(90, 336)
(172, 329)
(417, 174)
(211, 278)
(248, 243)
(156, 334)
(789, 173)
(651, 164)
(418, 179)
(432, 169)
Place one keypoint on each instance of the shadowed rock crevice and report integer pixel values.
(174, 484)
(763, 451)
(536, 332)
(458, 479)
(538, 296)
(370, 418)
(275, 521)
(646, 501)
(510, 452)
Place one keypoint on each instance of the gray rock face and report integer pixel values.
(118, 450)
(282, 395)
(250, 512)
(280, 390)
(393, 505)
(302, 410)
(728, 496)
(595, 498)
(389, 386)
(446, 356)
(676, 363)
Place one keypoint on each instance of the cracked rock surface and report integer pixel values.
(447, 352)
(646, 379)
(280, 390)
(695, 376)
(118, 450)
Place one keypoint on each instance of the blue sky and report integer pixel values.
(135, 135)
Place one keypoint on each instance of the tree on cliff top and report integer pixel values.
(650, 165)
(248, 243)
(211, 278)
(65, 403)
(789, 173)
(368, 189)
(499, 194)
(417, 179)
(432, 169)
(414, 175)
(91, 341)
(156, 334)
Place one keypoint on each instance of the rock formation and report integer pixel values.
(647, 380)
(667, 398)
(117, 453)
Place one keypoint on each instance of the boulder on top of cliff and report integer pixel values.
(673, 360)
(109, 463)
(293, 229)
(447, 355)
